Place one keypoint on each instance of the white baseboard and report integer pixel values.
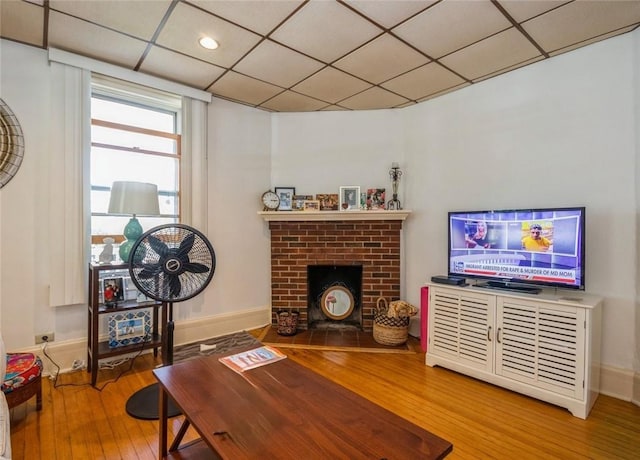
(636, 389)
(617, 383)
(186, 331)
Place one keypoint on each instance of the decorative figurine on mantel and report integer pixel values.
(395, 174)
(106, 256)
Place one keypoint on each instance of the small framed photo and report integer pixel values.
(350, 198)
(112, 291)
(375, 199)
(286, 195)
(312, 205)
(328, 201)
(298, 201)
(129, 328)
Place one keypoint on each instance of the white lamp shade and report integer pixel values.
(137, 198)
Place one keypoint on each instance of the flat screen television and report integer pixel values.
(520, 247)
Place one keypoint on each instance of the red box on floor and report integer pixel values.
(424, 314)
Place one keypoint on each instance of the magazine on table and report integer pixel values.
(251, 359)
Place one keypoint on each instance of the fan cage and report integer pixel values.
(156, 254)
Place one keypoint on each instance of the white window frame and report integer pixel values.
(128, 93)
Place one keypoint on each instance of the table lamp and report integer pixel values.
(137, 198)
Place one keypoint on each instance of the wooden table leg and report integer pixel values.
(178, 439)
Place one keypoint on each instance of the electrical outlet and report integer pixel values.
(46, 337)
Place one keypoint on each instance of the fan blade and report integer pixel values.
(194, 267)
(149, 271)
(158, 246)
(185, 247)
(174, 286)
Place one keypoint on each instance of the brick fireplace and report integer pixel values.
(370, 239)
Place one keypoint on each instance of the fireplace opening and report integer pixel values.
(334, 296)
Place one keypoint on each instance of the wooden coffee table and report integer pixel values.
(281, 411)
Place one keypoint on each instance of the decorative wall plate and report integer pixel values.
(11, 144)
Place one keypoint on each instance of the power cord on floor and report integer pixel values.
(111, 365)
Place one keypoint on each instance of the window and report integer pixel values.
(134, 137)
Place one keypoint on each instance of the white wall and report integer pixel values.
(239, 172)
(25, 85)
(319, 152)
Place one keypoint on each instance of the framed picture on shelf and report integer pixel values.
(298, 202)
(375, 199)
(112, 291)
(328, 201)
(286, 195)
(129, 328)
(350, 198)
(312, 205)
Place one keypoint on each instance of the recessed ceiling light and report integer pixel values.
(208, 43)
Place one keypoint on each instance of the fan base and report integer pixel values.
(144, 404)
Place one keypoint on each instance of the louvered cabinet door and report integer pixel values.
(460, 327)
(541, 345)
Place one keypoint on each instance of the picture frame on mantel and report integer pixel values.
(286, 197)
(298, 201)
(311, 205)
(350, 198)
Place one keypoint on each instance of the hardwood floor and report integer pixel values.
(481, 420)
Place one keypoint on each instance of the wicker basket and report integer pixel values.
(386, 330)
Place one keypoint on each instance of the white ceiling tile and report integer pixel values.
(22, 22)
(521, 10)
(289, 101)
(429, 79)
(79, 36)
(187, 25)
(232, 85)
(472, 37)
(389, 13)
(451, 25)
(325, 30)
(331, 85)
(276, 64)
(260, 16)
(374, 98)
(183, 69)
(140, 19)
(498, 52)
(581, 20)
(381, 59)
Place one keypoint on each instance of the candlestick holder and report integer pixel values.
(394, 174)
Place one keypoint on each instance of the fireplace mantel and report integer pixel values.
(305, 216)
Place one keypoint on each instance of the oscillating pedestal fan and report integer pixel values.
(169, 263)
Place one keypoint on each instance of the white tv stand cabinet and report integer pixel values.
(543, 345)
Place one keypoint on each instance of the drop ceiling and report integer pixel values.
(312, 55)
